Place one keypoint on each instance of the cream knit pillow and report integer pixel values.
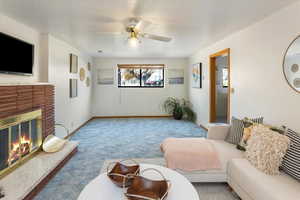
(266, 148)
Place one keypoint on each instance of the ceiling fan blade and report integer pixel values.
(156, 37)
(110, 33)
(142, 24)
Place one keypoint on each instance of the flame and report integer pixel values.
(19, 148)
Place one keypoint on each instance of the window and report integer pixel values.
(225, 77)
(146, 76)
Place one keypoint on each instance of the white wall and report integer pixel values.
(257, 75)
(11, 27)
(109, 100)
(72, 112)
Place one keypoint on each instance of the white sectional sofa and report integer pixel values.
(252, 184)
(248, 182)
(226, 151)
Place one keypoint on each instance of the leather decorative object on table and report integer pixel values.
(118, 174)
(145, 189)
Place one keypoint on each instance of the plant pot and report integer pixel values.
(178, 114)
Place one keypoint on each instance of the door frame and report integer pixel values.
(212, 93)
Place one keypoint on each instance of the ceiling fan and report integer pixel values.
(134, 28)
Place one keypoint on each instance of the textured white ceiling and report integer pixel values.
(191, 23)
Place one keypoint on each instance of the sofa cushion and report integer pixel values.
(248, 127)
(226, 152)
(260, 186)
(266, 148)
(291, 160)
(237, 129)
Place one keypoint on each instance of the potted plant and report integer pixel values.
(179, 108)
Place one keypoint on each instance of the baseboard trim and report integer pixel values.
(135, 116)
(73, 132)
(201, 126)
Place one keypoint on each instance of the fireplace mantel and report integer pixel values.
(21, 84)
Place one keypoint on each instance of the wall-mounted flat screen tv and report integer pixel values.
(16, 56)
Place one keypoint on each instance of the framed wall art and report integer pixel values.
(197, 75)
(176, 76)
(73, 64)
(73, 88)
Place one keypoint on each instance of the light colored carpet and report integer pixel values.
(104, 139)
(206, 191)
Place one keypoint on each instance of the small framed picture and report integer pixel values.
(73, 88)
(197, 75)
(73, 64)
(176, 76)
(89, 66)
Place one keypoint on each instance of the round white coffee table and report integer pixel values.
(101, 188)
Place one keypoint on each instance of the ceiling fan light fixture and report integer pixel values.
(133, 39)
(133, 42)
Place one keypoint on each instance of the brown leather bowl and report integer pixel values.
(143, 187)
(119, 173)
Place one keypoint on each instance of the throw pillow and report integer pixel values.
(248, 127)
(280, 130)
(291, 161)
(266, 149)
(258, 120)
(237, 129)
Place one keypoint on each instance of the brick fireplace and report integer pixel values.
(15, 99)
(26, 119)
(20, 138)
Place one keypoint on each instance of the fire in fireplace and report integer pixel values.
(20, 136)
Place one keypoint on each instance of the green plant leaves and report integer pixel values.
(177, 106)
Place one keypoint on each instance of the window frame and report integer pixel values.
(140, 67)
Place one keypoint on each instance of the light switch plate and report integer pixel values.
(232, 90)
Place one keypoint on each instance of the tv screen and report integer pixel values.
(16, 56)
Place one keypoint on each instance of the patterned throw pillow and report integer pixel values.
(237, 129)
(248, 127)
(291, 161)
(266, 149)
